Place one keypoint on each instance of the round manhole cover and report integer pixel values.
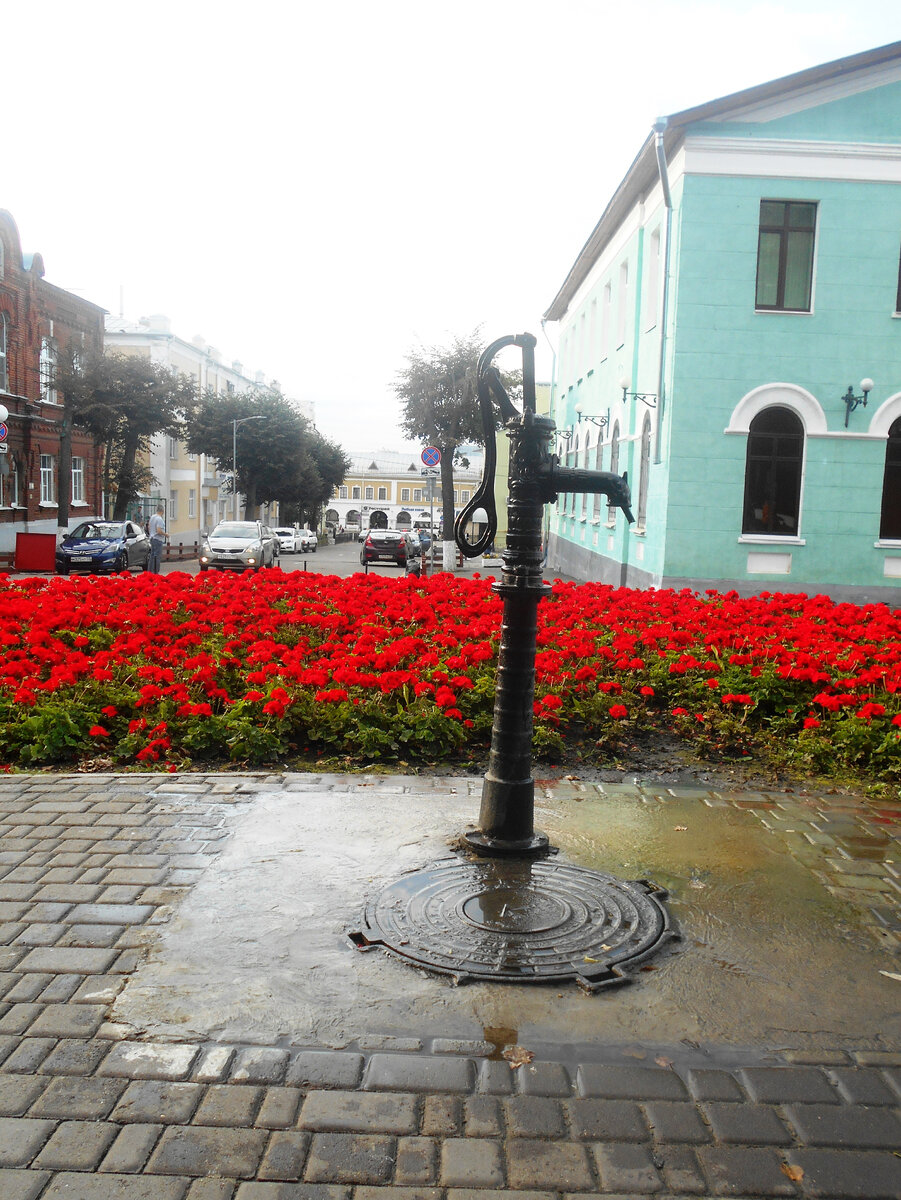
(525, 921)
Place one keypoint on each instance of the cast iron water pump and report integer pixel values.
(535, 479)
(509, 913)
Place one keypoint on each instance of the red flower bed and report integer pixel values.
(175, 669)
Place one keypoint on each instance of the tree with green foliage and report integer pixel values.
(439, 406)
(124, 400)
(279, 455)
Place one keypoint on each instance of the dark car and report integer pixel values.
(389, 546)
(103, 546)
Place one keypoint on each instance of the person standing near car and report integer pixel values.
(156, 527)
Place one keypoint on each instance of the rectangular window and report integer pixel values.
(606, 309)
(48, 479)
(9, 484)
(653, 280)
(622, 301)
(417, 495)
(464, 497)
(173, 447)
(192, 502)
(369, 494)
(405, 495)
(785, 255)
(173, 505)
(48, 370)
(383, 493)
(4, 368)
(355, 493)
(342, 492)
(897, 303)
(78, 496)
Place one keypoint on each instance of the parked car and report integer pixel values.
(307, 540)
(389, 545)
(287, 539)
(239, 546)
(103, 546)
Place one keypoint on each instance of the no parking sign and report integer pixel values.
(431, 456)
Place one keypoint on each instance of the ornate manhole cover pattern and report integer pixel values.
(525, 922)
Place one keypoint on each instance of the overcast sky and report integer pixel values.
(317, 188)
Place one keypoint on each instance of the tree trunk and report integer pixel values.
(250, 501)
(125, 488)
(448, 546)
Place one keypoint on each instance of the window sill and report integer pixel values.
(888, 544)
(770, 539)
(610, 524)
(784, 312)
(640, 532)
(79, 504)
(48, 504)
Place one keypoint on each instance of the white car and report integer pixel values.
(239, 546)
(287, 539)
(306, 539)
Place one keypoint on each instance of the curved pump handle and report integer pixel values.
(489, 384)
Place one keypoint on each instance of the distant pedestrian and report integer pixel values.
(156, 527)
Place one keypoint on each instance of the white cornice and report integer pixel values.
(862, 161)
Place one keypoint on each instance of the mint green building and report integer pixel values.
(730, 334)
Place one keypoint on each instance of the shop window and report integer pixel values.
(773, 473)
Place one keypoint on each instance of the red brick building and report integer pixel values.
(37, 323)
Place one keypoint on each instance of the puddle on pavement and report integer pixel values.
(257, 951)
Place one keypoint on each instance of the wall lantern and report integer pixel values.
(648, 398)
(852, 401)
(600, 421)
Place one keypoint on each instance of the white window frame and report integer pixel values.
(48, 479)
(192, 502)
(78, 480)
(9, 484)
(47, 370)
(4, 353)
(405, 495)
(173, 504)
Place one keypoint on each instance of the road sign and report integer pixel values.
(4, 449)
(431, 456)
(4, 431)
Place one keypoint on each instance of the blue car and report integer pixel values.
(103, 546)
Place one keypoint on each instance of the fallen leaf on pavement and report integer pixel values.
(662, 1061)
(890, 975)
(795, 1174)
(680, 828)
(517, 1056)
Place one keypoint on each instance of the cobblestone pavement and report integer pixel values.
(91, 867)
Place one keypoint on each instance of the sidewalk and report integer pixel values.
(180, 1018)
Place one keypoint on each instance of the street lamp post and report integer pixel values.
(235, 424)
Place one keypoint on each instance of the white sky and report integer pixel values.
(317, 188)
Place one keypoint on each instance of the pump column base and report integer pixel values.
(505, 820)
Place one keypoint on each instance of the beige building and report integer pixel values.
(389, 490)
(195, 494)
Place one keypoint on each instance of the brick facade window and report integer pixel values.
(48, 370)
(4, 342)
(78, 492)
(48, 479)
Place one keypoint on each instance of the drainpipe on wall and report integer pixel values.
(659, 128)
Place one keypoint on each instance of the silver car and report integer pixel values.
(239, 546)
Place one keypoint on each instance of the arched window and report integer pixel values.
(644, 472)
(614, 467)
(598, 466)
(890, 523)
(773, 473)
